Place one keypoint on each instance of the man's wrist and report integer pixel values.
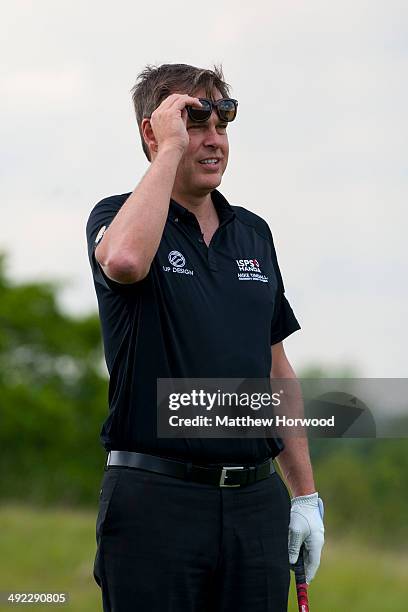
(306, 498)
(300, 491)
(170, 152)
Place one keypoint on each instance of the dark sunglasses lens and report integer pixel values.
(227, 110)
(200, 114)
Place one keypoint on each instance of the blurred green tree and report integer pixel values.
(53, 396)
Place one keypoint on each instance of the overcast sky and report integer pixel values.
(319, 147)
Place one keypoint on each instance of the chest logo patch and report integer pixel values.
(177, 261)
(250, 270)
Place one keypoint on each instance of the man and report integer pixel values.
(177, 530)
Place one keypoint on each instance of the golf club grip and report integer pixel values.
(301, 584)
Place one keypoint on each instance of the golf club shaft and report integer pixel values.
(301, 584)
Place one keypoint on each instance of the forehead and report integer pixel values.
(201, 93)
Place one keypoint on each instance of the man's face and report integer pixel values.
(208, 140)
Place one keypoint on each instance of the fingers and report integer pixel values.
(313, 552)
(294, 543)
(180, 101)
(298, 530)
(169, 122)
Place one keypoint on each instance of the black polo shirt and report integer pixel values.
(201, 312)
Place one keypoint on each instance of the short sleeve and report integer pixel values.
(284, 322)
(98, 222)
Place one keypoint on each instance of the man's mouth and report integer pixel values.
(210, 161)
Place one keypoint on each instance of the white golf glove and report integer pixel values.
(306, 527)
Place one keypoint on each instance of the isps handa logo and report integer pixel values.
(248, 265)
(177, 261)
(250, 270)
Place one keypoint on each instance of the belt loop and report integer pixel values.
(253, 469)
(189, 470)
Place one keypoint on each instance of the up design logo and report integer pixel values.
(177, 261)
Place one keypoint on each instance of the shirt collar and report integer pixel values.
(221, 205)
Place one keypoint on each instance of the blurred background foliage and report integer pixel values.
(53, 394)
(53, 397)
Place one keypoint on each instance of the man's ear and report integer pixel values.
(148, 135)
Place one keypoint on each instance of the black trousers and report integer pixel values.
(169, 545)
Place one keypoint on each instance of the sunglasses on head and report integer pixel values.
(226, 109)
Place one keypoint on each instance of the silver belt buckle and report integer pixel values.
(224, 475)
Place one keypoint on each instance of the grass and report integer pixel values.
(357, 578)
(53, 550)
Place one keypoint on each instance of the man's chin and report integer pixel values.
(209, 182)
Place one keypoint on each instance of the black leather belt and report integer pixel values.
(220, 476)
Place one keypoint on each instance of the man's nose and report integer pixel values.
(212, 136)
